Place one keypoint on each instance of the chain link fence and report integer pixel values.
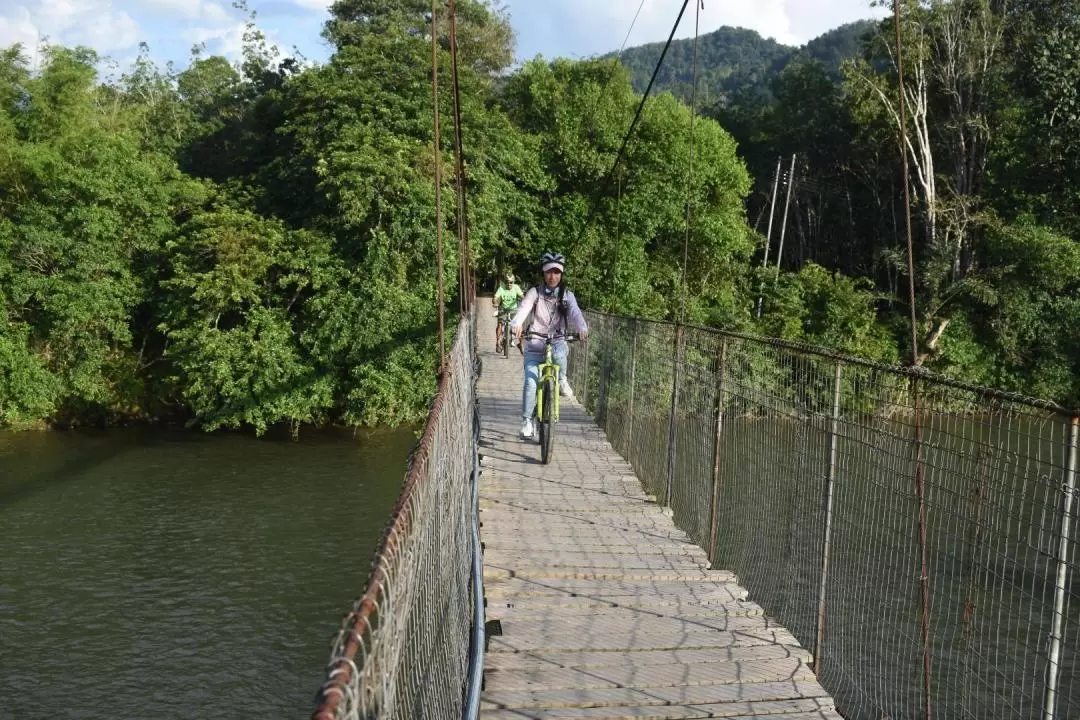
(917, 534)
(404, 650)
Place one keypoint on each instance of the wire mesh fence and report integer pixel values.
(403, 650)
(917, 534)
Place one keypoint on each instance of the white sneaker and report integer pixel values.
(564, 389)
(527, 429)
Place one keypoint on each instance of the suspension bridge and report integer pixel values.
(731, 527)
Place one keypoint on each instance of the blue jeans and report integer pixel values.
(532, 376)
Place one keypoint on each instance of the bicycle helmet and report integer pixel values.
(550, 260)
(509, 277)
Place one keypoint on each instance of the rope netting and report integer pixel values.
(917, 534)
(403, 650)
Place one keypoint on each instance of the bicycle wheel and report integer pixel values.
(506, 339)
(547, 427)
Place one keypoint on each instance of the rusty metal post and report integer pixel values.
(464, 279)
(600, 410)
(826, 535)
(438, 185)
(633, 378)
(924, 567)
(1068, 489)
(713, 510)
(585, 381)
(675, 371)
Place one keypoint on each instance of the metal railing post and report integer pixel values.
(826, 535)
(1068, 489)
(924, 568)
(633, 378)
(675, 371)
(601, 390)
(714, 512)
(585, 380)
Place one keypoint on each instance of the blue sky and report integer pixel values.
(570, 28)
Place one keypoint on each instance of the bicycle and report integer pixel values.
(546, 412)
(505, 315)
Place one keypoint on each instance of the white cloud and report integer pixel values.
(17, 26)
(184, 8)
(106, 33)
(314, 4)
(95, 23)
(204, 10)
(227, 41)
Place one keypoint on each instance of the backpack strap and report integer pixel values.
(560, 305)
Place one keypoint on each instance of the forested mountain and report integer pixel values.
(735, 63)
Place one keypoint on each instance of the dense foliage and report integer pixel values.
(992, 93)
(252, 244)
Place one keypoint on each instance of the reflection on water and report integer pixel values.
(156, 574)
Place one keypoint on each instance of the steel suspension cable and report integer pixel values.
(606, 181)
(462, 228)
(917, 441)
(614, 64)
(698, 5)
(438, 185)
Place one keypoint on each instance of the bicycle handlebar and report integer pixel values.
(569, 337)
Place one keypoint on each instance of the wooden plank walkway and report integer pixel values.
(608, 611)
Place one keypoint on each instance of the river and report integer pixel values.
(166, 574)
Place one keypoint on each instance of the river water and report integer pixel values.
(166, 574)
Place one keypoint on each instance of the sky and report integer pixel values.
(552, 28)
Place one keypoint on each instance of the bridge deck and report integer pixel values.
(607, 609)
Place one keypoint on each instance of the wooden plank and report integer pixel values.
(688, 590)
(494, 572)
(615, 546)
(651, 676)
(643, 658)
(671, 605)
(595, 559)
(689, 695)
(532, 642)
(801, 709)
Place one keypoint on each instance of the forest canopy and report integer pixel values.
(238, 245)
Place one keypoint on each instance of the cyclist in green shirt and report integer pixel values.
(506, 300)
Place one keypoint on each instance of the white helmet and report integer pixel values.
(550, 260)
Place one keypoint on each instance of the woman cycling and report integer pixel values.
(546, 309)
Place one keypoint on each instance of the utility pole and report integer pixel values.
(783, 224)
(768, 232)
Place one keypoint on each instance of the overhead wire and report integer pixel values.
(606, 181)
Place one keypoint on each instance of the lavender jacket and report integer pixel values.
(547, 318)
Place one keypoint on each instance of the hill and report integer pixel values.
(735, 61)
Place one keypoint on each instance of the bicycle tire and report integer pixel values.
(506, 339)
(547, 426)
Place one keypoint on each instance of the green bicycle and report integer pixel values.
(546, 413)
(505, 338)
